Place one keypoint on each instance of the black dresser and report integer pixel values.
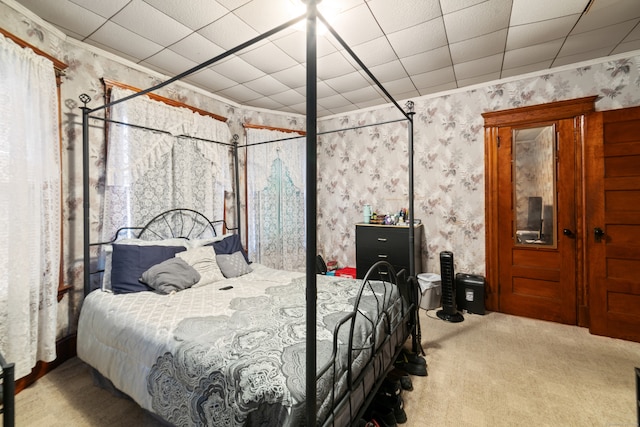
(386, 243)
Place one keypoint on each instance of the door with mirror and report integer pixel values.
(536, 192)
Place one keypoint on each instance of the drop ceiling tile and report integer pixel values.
(322, 89)
(106, 9)
(169, 61)
(532, 54)
(395, 16)
(478, 47)
(228, 31)
(439, 88)
(420, 38)
(527, 11)
(266, 103)
(374, 52)
(288, 97)
(479, 67)
(479, 79)
(356, 26)
(372, 102)
(116, 52)
(239, 94)
(333, 65)
(596, 39)
(393, 70)
(147, 21)
(477, 20)
(197, 48)
(66, 15)
(292, 77)
(633, 35)
(351, 81)
(579, 57)
(606, 13)
(627, 47)
(269, 58)
(295, 45)
(399, 86)
(208, 78)
(266, 85)
(530, 68)
(334, 101)
(194, 14)
(233, 4)
(402, 97)
(123, 40)
(449, 6)
(427, 61)
(345, 109)
(264, 15)
(238, 70)
(540, 32)
(434, 78)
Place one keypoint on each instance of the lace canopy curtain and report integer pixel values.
(149, 172)
(29, 207)
(276, 199)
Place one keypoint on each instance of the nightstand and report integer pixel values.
(386, 243)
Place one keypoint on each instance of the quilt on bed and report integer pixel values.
(206, 356)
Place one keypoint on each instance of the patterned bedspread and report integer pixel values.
(234, 357)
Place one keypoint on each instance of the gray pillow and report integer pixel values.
(233, 265)
(173, 274)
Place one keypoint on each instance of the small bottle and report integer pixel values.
(366, 212)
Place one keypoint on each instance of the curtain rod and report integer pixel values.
(109, 84)
(160, 131)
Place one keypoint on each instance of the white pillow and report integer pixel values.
(196, 243)
(203, 260)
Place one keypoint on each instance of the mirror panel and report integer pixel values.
(534, 168)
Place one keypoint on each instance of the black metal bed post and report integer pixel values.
(312, 206)
(237, 183)
(85, 193)
(415, 345)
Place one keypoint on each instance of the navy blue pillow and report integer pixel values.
(128, 262)
(229, 245)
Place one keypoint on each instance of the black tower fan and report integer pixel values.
(449, 310)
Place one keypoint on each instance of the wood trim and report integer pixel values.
(112, 83)
(539, 113)
(65, 350)
(491, 217)
(252, 126)
(57, 64)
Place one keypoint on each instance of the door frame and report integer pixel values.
(574, 108)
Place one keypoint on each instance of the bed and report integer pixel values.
(360, 382)
(231, 350)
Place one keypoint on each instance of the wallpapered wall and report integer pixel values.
(355, 167)
(370, 165)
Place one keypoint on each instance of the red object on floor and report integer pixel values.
(346, 272)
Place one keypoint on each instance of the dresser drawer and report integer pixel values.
(385, 243)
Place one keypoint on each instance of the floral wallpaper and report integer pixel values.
(355, 167)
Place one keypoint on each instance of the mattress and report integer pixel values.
(234, 356)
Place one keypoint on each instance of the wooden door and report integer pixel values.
(537, 270)
(613, 222)
(545, 282)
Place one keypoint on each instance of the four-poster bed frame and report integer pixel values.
(312, 134)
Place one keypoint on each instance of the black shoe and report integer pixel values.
(411, 368)
(414, 358)
(384, 418)
(391, 387)
(403, 377)
(394, 403)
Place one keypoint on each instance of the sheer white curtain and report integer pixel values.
(150, 172)
(276, 173)
(29, 207)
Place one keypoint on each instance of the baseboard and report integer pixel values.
(65, 350)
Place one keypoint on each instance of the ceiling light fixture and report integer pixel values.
(328, 8)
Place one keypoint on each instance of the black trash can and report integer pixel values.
(470, 293)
